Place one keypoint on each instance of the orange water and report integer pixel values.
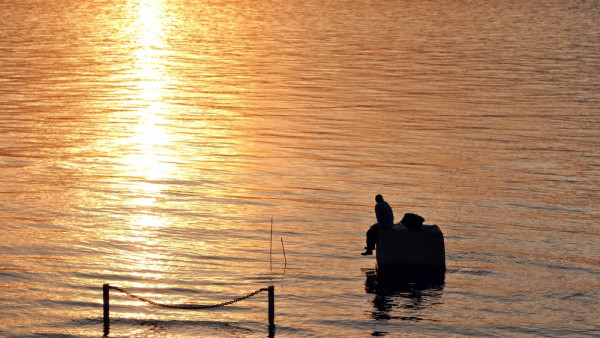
(148, 144)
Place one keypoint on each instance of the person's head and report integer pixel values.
(378, 198)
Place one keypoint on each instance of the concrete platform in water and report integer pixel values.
(401, 250)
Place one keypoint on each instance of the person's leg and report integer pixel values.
(371, 239)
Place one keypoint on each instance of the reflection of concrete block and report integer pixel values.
(401, 249)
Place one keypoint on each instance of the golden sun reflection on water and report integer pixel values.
(142, 235)
(146, 161)
(147, 158)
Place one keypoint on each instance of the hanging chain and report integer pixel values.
(188, 306)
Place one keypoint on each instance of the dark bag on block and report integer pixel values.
(412, 221)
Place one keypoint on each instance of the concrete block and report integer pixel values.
(399, 249)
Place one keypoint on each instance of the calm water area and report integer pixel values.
(151, 144)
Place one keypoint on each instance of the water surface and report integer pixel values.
(148, 144)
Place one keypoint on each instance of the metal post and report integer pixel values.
(271, 290)
(105, 290)
(271, 305)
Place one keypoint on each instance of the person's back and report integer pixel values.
(384, 213)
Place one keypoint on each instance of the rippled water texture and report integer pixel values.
(150, 144)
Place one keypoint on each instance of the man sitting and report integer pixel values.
(385, 220)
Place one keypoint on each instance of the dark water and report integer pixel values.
(148, 144)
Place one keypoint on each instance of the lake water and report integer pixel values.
(149, 143)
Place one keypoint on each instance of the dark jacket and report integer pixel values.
(384, 214)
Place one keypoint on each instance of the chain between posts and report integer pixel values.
(188, 306)
(106, 305)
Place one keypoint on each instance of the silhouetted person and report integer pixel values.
(385, 219)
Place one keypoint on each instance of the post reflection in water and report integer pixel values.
(409, 294)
